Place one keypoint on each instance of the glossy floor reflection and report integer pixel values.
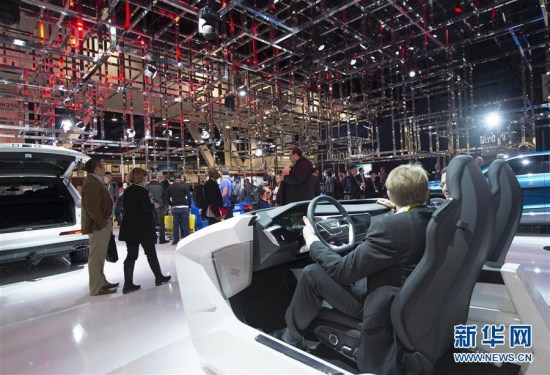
(50, 325)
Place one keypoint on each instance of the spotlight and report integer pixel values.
(67, 124)
(150, 71)
(259, 152)
(205, 134)
(218, 142)
(353, 61)
(492, 119)
(131, 133)
(208, 23)
(239, 86)
(167, 133)
(412, 73)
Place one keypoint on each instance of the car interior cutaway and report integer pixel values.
(467, 239)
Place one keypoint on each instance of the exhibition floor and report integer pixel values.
(50, 325)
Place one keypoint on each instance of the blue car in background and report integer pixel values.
(533, 173)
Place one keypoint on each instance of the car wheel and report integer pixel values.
(79, 256)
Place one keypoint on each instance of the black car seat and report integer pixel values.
(508, 202)
(419, 329)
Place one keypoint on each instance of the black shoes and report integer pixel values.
(111, 285)
(130, 288)
(105, 290)
(174, 243)
(163, 241)
(281, 334)
(163, 279)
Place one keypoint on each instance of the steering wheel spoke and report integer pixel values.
(333, 231)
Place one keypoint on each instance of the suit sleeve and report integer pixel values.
(90, 192)
(168, 197)
(374, 254)
(145, 204)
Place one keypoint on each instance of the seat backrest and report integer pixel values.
(436, 295)
(508, 203)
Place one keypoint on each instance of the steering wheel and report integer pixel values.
(331, 229)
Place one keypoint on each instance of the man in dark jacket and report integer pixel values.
(158, 198)
(178, 197)
(213, 197)
(351, 185)
(297, 178)
(391, 250)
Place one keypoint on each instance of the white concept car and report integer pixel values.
(237, 278)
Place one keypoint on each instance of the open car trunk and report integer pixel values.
(31, 203)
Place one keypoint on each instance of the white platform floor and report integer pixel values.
(50, 325)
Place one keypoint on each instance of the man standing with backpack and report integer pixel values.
(226, 188)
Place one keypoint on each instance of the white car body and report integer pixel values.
(33, 243)
(215, 263)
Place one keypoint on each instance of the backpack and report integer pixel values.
(236, 190)
(199, 197)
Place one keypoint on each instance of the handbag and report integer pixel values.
(210, 212)
(112, 252)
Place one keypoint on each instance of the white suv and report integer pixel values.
(39, 207)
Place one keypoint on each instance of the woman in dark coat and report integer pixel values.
(138, 227)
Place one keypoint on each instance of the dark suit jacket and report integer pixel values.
(298, 185)
(213, 196)
(393, 247)
(373, 189)
(138, 223)
(97, 205)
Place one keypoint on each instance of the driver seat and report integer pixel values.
(408, 329)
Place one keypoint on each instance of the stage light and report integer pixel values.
(131, 133)
(492, 119)
(259, 152)
(240, 86)
(208, 23)
(353, 61)
(321, 47)
(150, 71)
(67, 124)
(412, 73)
(167, 133)
(205, 134)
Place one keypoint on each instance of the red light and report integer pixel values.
(458, 10)
(79, 25)
(78, 231)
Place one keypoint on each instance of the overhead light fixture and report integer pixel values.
(493, 119)
(218, 142)
(353, 61)
(167, 133)
(67, 124)
(412, 73)
(114, 119)
(150, 71)
(205, 134)
(259, 152)
(131, 133)
(240, 86)
(208, 23)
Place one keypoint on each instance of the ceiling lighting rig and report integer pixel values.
(322, 63)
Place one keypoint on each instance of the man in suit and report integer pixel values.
(297, 178)
(97, 223)
(373, 189)
(158, 197)
(391, 250)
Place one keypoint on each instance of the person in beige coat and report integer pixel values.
(97, 212)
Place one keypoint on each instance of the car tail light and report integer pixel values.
(78, 231)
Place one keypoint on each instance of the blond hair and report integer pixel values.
(136, 175)
(408, 185)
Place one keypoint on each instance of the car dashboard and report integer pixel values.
(278, 231)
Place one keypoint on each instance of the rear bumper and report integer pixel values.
(61, 248)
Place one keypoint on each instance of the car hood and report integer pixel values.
(38, 160)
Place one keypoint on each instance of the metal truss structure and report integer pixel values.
(349, 80)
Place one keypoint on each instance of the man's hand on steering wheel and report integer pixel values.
(309, 232)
